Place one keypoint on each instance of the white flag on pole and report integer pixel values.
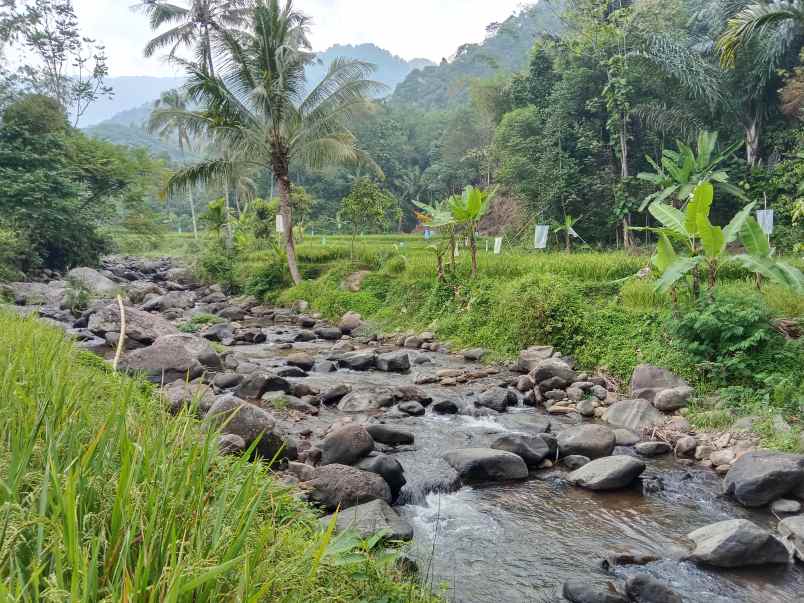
(280, 223)
(765, 219)
(540, 236)
(498, 246)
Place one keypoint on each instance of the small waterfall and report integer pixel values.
(415, 493)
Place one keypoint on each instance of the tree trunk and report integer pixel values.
(473, 249)
(283, 183)
(228, 217)
(624, 174)
(752, 134)
(191, 201)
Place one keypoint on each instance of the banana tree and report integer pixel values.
(760, 258)
(467, 210)
(439, 217)
(567, 228)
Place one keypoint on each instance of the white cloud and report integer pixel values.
(409, 28)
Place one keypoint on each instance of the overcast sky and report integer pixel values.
(429, 29)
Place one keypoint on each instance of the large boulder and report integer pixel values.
(358, 361)
(736, 543)
(141, 327)
(648, 380)
(529, 359)
(644, 588)
(236, 417)
(301, 360)
(38, 294)
(390, 436)
(179, 300)
(351, 321)
(553, 367)
(346, 446)
(369, 519)
(610, 473)
(486, 464)
(389, 468)
(394, 362)
(497, 398)
(791, 530)
(94, 281)
(593, 441)
(758, 478)
(342, 486)
(669, 400)
(172, 358)
(139, 290)
(582, 591)
(180, 395)
(531, 448)
(366, 401)
(256, 385)
(635, 415)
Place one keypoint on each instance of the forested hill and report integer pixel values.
(505, 50)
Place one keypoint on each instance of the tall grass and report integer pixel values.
(105, 498)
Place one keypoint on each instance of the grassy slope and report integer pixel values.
(105, 497)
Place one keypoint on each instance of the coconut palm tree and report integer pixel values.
(163, 122)
(194, 26)
(781, 19)
(259, 106)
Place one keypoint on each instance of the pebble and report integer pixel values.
(786, 506)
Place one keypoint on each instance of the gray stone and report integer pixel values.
(575, 461)
(334, 395)
(551, 384)
(497, 398)
(141, 326)
(625, 437)
(530, 358)
(594, 441)
(346, 446)
(474, 355)
(669, 400)
(411, 392)
(525, 383)
(412, 342)
(256, 385)
(786, 507)
(174, 300)
(791, 530)
(390, 436)
(234, 416)
(290, 372)
(301, 360)
(412, 408)
(759, 478)
(94, 281)
(736, 543)
(304, 336)
(358, 361)
(230, 443)
(599, 392)
(553, 367)
(531, 448)
(371, 518)
(221, 332)
(485, 464)
(365, 401)
(581, 591)
(609, 473)
(172, 358)
(644, 588)
(575, 394)
(653, 448)
(351, 321)
(635, 415)
(394, 362)
(445, 407)
(388, 468)
(180, 395)
(648, 380)
(342, 486)
(686, 446)
(586, 408)
(329, 333)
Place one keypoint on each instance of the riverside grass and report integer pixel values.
(104, 497)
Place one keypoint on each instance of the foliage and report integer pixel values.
(13, 251)
(367, 207)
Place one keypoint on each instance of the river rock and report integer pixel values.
(365, 401)
(635, 415)
(231, 444)
(594, 441)
(758, 478)
(581, 591)
(648, 380)
(351, 321)
(180, 395)
(94, 281)
(497, 398)
(785, 507)
(329, 333)
(412, 408)
(234, 416)
(411, 392)
(141, 327)
(388, 468)
(575, 461)
(221, 332)
(334, 395)
(390, 436)
(532, 449)
(178, 300)
(370, 518)
(625, 437)
(529, 359)
(486, 464)
(644, 588)
(791, 530)
(256, 385)
(358, 361)
(553, 367)
(172, 358)
(37, 294)
(586, 408)
(445, 407)
(669, 400)
(608, 473)
(686, 446)
(346, 446)
(301, 360)
(304, 336)
(394, 362)
(181, 275)
(653, 448)
(342, 486)
(736, 543)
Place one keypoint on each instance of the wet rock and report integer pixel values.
(635, 415)
(301, 360)
(609, 473)
(256, 385)
(300, 306)
(369, 519)
(334, 395)
(390, 436)
(556, 395)
(394, 362)
(759, 478)
(551, 384)
(791, 530)
(290, 372)
(412, 408)
(231, 444)
(786, 507)
(575, 461)
(388, 468)
(346, 446)
(586, 408)
(137, 291)
(357, 361)
(686, 446)
(302, 471)
(531, 448)
(648, 380)
(669, 400)
(529, 359)
(594, 441)
(181, 275)
(553, 367)
(486, 464)
(497, 398)
(644, 588)
(575, 394)
(305, 336)
(525, 383)
(141, 326)
(175, 300)
(625, 437)
(364, 401)
(172, 358)
(236, 417)
(411, 392)
(94, 281)
(723, 457)
(630, 557)
(599, 392)
(653, 448)
(445, 407)
(736, 543)
(235, 313)
(342, 486)
(581, 591)
(221, 332)
(351, 321)
(325, 366)
(412, 342)
(180, 395)
(303, 390)
(474, 355)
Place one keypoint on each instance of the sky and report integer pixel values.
(431, 29)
